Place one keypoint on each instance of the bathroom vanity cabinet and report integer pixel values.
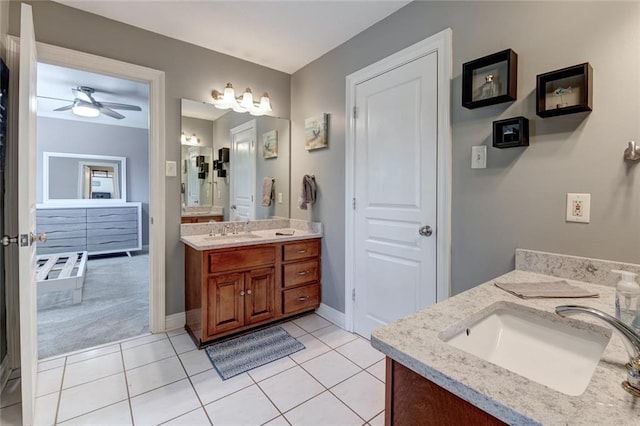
(229, 290)
(202, 219)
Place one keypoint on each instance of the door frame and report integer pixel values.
(440, 43)
(249, 125)
(157, 182)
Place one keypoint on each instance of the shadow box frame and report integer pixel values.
(507, 60)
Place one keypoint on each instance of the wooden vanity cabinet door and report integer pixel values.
(225, 300)
(260, 287)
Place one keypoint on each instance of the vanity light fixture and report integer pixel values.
(85, 109)
(191, 140)
(245, 103)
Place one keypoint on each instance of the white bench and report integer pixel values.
(62, 271)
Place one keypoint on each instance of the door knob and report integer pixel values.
(41, 238)
(425, 231)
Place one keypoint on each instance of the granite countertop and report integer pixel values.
(267, 236)
(414, 342)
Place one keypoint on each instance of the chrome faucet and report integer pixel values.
(224, 229)
(630, 339)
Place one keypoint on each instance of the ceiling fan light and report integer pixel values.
(85, 110)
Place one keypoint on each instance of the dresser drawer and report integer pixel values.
(301, 298)
(301, 250)
(245, 258)
(301, 272)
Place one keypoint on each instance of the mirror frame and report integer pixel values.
(120, 168)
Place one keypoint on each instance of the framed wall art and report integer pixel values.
(270, 144)
(511, 132)
(565, 91)
(315, 132)
(490, 80)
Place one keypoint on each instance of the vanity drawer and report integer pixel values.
(244, 258)
(300, 272)
(301, 250)
(301, 298)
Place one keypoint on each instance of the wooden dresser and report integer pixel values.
(229, 290)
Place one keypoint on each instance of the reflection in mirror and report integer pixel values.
(227, 157)
(72, 177)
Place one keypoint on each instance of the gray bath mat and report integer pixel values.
(247, 352)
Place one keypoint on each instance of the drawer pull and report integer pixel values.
(242, 293)
(302, 298)
(248, 291)
(302, 251)
(303, 272)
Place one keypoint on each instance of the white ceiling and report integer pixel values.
(283, 35)
(54, 91)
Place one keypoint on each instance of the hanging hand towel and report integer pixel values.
(307, 192)
(267, 190)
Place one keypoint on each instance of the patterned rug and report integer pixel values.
(244, 353)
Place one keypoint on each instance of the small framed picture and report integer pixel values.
(315, 132)
(565, 91)
(511, 132)
(270, 144)
(490, 80)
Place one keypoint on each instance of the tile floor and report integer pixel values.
(163, 379)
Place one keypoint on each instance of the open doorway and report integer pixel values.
(93, 202)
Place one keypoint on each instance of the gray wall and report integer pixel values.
(519, 200)
(69, 136)
(191, 72)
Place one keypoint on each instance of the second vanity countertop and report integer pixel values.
(415, 342)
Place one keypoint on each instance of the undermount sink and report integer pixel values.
(559, 353)
(240, 236)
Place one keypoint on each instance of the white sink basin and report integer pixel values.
(229, 237)
(559, 353)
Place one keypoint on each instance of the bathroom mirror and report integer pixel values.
(84, 178)
(228, 156)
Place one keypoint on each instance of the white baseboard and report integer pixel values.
(175, 321)
(330, 314)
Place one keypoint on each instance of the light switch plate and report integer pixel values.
(578, 207)
(479, 157)
(171, 168)
(279, 197)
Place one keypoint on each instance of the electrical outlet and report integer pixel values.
(479, 157)
(578, 208)
(279, 197)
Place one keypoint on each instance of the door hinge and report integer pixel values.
(353, 295)
(354, 203)
(355, 112)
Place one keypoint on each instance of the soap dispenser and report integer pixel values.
(628, 299)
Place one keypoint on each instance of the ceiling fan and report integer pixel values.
(85, 105)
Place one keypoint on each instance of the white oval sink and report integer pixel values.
(559, 353)
(240, 236)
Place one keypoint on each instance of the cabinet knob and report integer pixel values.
(303, 272)
(302, 251)
(242, 293)
(248, 291)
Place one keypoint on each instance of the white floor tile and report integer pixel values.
(363, 393)
(45, 410)
(49, 381)
(92, 369)
(331, 368)
(377, 420)
(11, 394)
(195, 362)
(154, 375)
(334, 336)
(147, 353)
(311, 323)
(176, 332)
(278, 421)
(361, 352)
(183, 343)
(116, 414)
(93, 353)
(379, 370)
(271, 369)
(290, 388)
(210, 386)
(51, 364)
(194, 418)
(165, 403)
(313, 348)
(11, 416)
(142, 340)
(293, 330)
(233, 409)
(90, 396)
(324, 409)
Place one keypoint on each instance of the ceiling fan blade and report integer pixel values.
(126, 107)
(64, 108)
(111, 113)
(83, 96)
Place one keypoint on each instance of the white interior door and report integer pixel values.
(27, 213)
(243, 172)
(193, 188)
(395, 188)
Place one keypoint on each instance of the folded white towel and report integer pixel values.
(545, 290)
(267, 190)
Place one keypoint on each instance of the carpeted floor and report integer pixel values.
(115, 305)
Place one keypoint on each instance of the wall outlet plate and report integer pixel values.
(479, 157)
(578, 207)
(171, 168)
